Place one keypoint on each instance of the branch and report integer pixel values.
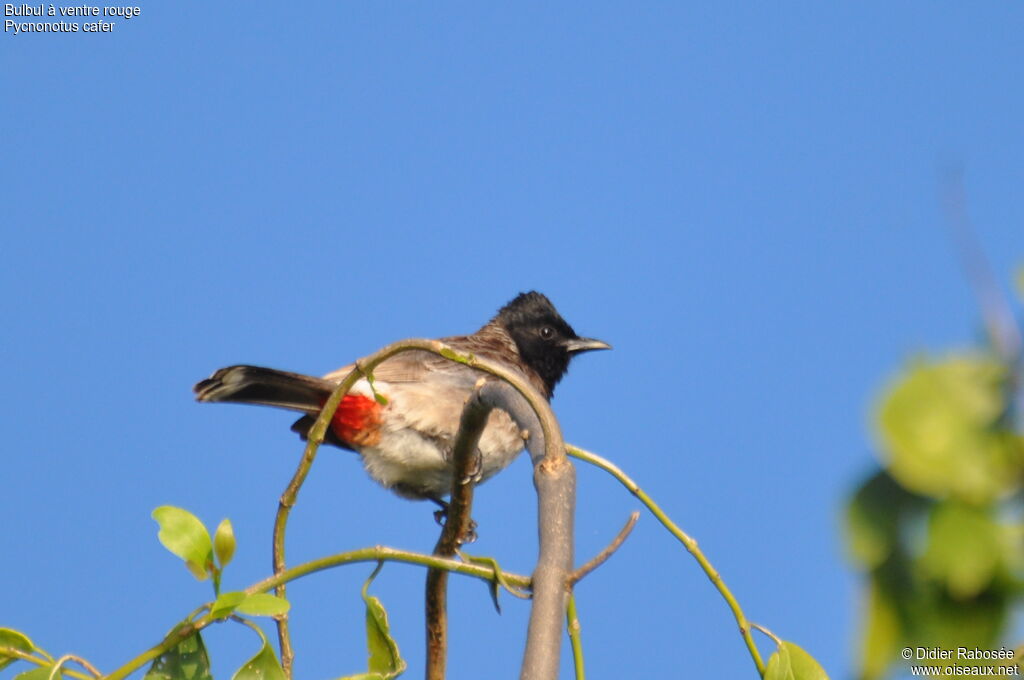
(14, 653)
(77, 659)
(572, 619)
(374, 554)
(602, 557)
(287, 502)
(554, 477)
(457, 527)
(689, 543)
(81, 662)
(555, 480)
(773, 636)
(383, 553)
(572, 623)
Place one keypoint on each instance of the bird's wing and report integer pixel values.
(407, 367)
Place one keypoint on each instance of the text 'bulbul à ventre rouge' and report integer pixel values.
(48, 11)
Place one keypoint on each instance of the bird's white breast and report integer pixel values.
(418, 430)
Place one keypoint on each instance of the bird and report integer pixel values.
(403, 426)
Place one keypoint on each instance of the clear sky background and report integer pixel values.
(742, 197)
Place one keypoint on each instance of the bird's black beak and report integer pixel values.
(577, 345)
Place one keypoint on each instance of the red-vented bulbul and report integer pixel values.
(406, 444)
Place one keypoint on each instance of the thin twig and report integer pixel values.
(378, 553)
(77, 659)
(197, 611)
(689, 543)
(252, 626)
(287, 502)
(498, 575)
(457, 527)
(572, 621)
(14, 653)
(374, 554)
(767, 632)
(602, 557)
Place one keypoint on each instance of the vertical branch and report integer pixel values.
(287, 502)
(284, 507)
(314, 439)
(457, 526)
(555, 479)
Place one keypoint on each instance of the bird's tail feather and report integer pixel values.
(267, 386)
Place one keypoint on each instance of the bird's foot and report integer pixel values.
(441, 517)
(470, 535)
(475, 473)
(441, 514)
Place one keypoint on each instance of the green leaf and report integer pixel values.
(385, 661)
(941, 430)
(790, 662)
(964, 548)
(40, 673)
(227, 603)
(263, 666)
(498, 580)
(1020, 283)
(188, 660)
(384, 655)
(224, 542)
(12, 638)
(183, 534)
(264, 604)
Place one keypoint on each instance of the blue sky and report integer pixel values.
(741, 197)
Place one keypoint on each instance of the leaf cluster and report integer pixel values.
(937, 528)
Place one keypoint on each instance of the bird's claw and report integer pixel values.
(470, 536)
(475, 473)
(441, 517)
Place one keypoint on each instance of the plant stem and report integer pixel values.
(457, 527)
(689, 543)
(13, 653)
(572, 622)
(374, 554)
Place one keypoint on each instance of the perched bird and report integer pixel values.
(406, 443)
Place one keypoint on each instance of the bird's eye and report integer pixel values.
(547, 332)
